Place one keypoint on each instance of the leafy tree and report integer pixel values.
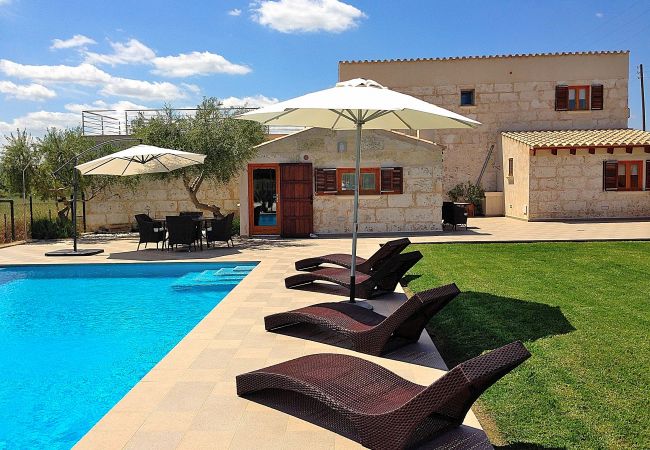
(19, 153)
(54, 174)
(227, 143)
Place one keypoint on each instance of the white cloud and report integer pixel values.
(133, 51)
(38, 122)
(84, 74)
(251, 102)
(600, 15)
(142, 90)
(193, 88)
(31, 91)
(295, 16)
(234, 12)
(196, 63)
(120, 106)
(78, 40)
(4, 2)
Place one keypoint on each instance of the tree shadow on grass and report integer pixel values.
(477, 321)
(525, 446)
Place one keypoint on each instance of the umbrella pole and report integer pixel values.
(355, 220)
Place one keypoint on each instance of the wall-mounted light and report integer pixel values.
(342, 147)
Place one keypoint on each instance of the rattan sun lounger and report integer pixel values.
(372, 405)
(386, 251)
(364, 330)
(379, 282)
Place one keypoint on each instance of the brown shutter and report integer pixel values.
(647, 175)
(392, 180)
(325, 181)
(610, 175)
(561, 98)
(596, 96)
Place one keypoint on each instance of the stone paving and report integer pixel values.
(188, 399)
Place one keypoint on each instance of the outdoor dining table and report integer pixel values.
(201, 223)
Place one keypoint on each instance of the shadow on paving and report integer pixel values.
(476, 321)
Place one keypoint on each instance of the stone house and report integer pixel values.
(554, 91)
(521, 101)
(576, 174)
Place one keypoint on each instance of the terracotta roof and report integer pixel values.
(581, 138)
(516, 55)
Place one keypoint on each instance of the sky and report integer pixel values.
(58, 58)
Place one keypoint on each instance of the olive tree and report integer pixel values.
(18, 158)
(227, 143)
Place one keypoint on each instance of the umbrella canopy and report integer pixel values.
(355, 105)
(341, 107)
(140, 159)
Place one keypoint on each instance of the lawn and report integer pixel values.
(583, 311)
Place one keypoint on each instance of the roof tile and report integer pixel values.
(581, 138)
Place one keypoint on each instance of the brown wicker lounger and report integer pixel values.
(364, 330)
(372, 405)
(381, 281)
(386, 251)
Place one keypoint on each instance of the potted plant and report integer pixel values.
(467, 193)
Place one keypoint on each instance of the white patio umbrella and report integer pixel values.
(140, 159)
(355, 105)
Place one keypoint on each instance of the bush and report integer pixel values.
(51, 229)
(235, 226)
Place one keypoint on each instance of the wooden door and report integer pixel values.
(297, 194)
(264, 206)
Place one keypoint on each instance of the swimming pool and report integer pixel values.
(76, 338)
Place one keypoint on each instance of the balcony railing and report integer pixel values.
(112, 122)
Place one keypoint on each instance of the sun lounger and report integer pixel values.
(380, 281)
(384, 253)
(364, 330)
(372, 405)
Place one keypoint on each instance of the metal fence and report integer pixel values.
(17, 218)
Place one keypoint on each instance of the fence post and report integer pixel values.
(31, 215)
(5, 227)
(13, 222)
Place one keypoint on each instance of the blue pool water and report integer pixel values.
(75, 338)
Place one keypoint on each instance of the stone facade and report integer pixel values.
(511, 93)
(566, 186)
(418, 208)
(119, 205)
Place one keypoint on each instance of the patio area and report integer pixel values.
(188, 400)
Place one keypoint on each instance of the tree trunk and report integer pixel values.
(192, 187)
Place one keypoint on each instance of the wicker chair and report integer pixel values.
(220, 230)
(150, 231)
(351, 326)
(372, 405)
(182, 231)
(387, 250)
(380, 281)
(454, 215)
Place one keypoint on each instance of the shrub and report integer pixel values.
(51, 229)
(235, 226)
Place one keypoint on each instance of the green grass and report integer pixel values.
(583, 311)
(42, 210)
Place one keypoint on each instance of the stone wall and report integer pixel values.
(512, 93)
(417, 209)
(571, 186)
(157, 198)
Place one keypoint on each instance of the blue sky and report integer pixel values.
(59, 57)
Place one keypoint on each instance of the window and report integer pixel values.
(622, 175)
(578, 98)
(467, 97)
(387, 180)
(511, 163)
(369, 183)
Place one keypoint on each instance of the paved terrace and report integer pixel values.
(188, 399)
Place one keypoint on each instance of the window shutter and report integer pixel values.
(647, 175)
(596, 96)
(392, 180)
(561, 98)
(610, 175)
(325, 181)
